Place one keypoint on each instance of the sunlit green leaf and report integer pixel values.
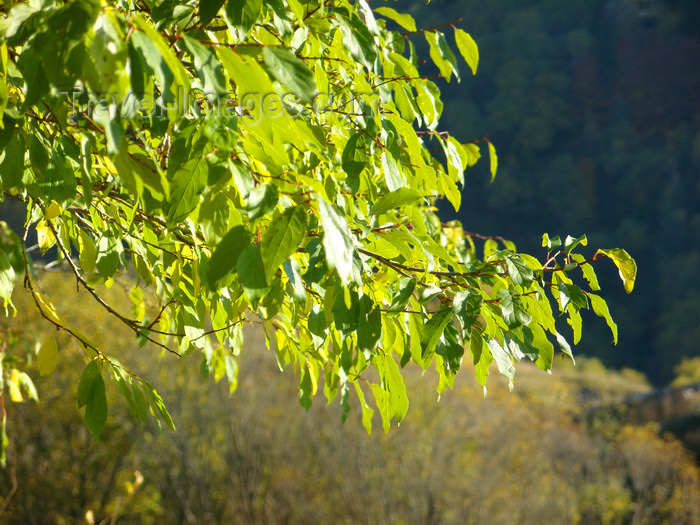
(626, 266)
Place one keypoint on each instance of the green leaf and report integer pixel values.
(338, 241)
(96, 406)
(395, 199)
(550, 243)
(262, 200)
(357, 39)
(570, 293)
(12, 163)
(451, 350)
(168, 69)
(403, 19)
(91, 370)
(48, 356)
(466, 305)
(392, 176)
(7, 278)
(441, 54)
(600, 307)
(293, 272)
(208, 9)
(406, 287)
(355, 155)
(305, 387)
(251, 273)
(626, 266)
(282, 238)
(224, 260)
(391, 394)
(367, 411)
(570, 243)
(503, 359)
(468, 48)
(369, 330)
(564, 345)
(140, 402)
(291, 72)
(588, 271)
(241, 15)
(432, 331)
(207, 66)
(481, 359)
(493, 159)
(511, 308)
(519, 272)
(157, 401)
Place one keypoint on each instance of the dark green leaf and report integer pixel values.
(358, 39)
(12, 163)
(251, 273)
(241, 15)
(282, 238)
(91, 370)
(355, 156)
(369, 330)
(291, 72)
(570, 293)
(519, 272)
(224, 260)
(432, 331)
(208, 9)
(466, 305)
(96, 406)
(346, 319)
(511, 308)
(406, 287)
(452, 350)
(262, 200)
(207, 66)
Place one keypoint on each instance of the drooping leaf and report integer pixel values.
(96, 406)
(208, 9)
(224, 260)
(291, 72)
(432, 331)
(241, 15)
(600, 307)
(355, 155)
(468, 48)
(282, 238)
(48, 356)
(338, 241)
(251, 273)
(626, 266)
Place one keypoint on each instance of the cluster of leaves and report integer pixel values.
(318, 223)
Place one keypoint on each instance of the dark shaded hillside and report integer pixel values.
(595, 111)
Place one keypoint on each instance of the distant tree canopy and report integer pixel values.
(275, 163)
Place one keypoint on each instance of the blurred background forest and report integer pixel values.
(594, 107)
(564, 448)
